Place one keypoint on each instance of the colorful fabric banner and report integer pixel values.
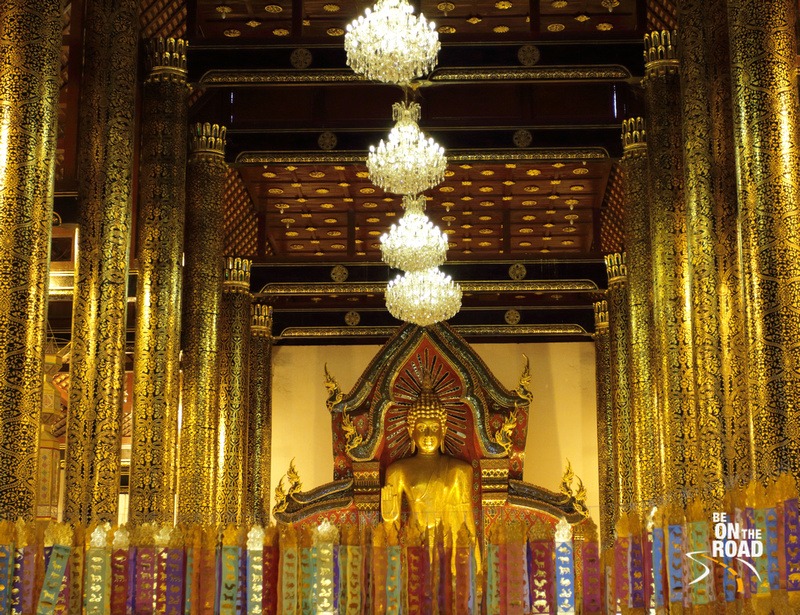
(637, 573)
(493, 604)
(229, 585)
(791, 524)
(119, 580)
(325, 578)
(417, 577)
(702, 591)
(97, 588)
(542, 577)
(515, 569)
(255, 581)
(771, 548)
(565, 578)
(24, 574)
(622, 548)
(592, 582)
(354, 571)
(462, 579)
(271, 578)
(289, 580)
(58, 558)
(675, 563)
(175, 563)
(658, 566)
(760, 584)
(6, 570)
(308, 582)
(380, 568)
(393, 581)
(145, 567)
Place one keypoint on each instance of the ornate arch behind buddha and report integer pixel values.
(486, 427)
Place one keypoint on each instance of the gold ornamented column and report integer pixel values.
(649, 461)
(765, 110)
(162, 200)
(605, 426)
(671, 276)
(619, 355)
(232, 366)
(712, 241)
(30, 48)
(105, 183)
(202, 283)
(259, 439)
(738, 427)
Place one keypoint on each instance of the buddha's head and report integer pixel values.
(427, 419)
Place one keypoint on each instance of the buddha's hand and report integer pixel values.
(390, 503)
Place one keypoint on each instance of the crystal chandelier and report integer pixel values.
(423, 297)
(415, 243)
(407, 163)
(390, 44)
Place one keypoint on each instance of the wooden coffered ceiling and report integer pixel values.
(527, 99)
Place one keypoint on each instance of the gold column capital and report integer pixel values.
(236, 274)
(207, 139)
(660, 52)
(634, 136)
(616, 268)
(262, 320)
(601, 314)
(166, 59)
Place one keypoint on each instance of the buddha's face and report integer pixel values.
(427, 435)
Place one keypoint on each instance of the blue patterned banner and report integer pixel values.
(229, 585)
(771, 548)
(675, 563)
(565, 578)
(658, 566)
(255, 581)
(393, 584)
(53, 578)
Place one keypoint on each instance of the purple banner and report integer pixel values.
(145, 580)
(592, 584)
(791, 520)
(175, 574)
(542, 579)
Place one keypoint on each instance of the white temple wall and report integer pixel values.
(563, 414)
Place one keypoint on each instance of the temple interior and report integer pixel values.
(221, 393)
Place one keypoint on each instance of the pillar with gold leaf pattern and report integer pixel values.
(159, 249)
(723, 442)
(30, 48)
(106, 123)
(619, 355)
(673, 349)
(233, 360)
(202, 283)
(649, 461)
(605, 426)
(259, 439)
(765, 111)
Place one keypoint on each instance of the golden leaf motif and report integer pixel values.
(566, 480)
(280, 498)
(334, 394)
(503, 435)
(352, 437)
(524, 381)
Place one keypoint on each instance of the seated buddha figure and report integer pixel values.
(436, 487)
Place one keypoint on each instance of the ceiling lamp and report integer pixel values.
(423, 297)
(390, 44)
(415, 242)
(407, 163)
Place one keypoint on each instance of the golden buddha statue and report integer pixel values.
(437, 487)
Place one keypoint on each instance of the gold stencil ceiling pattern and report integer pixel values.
(487, 208)
(502, 19)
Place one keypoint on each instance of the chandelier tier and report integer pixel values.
(423, 297)
(390, 44)
(407, 162)
(415, 242)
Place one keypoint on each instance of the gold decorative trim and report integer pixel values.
(309, 332)
(166, 57)
(529, 155)
(601, 315)
(233, 77)
(207, 139)
(542, 73)
(220, 78)
(278, 289)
